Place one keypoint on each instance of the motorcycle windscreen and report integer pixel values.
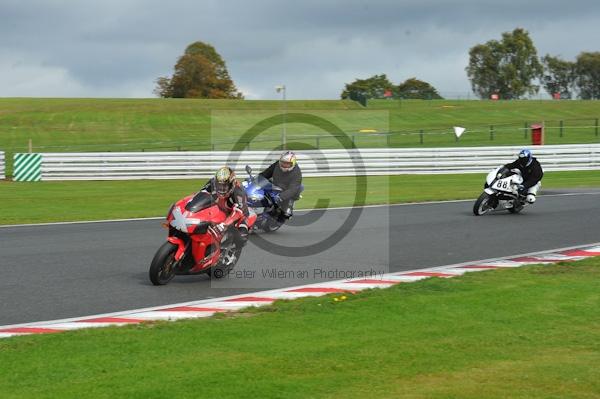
(200, 201)
(266, 184)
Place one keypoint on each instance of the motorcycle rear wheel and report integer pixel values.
(481, 206)
(161, 269)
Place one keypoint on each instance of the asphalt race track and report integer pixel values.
(68, 270)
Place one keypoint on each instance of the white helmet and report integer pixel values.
(287, 161)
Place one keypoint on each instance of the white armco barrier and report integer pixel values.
(2, 168)
(371, 161)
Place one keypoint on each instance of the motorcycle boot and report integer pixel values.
(286, 211)
(244, 232)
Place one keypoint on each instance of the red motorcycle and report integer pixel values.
(194, 245)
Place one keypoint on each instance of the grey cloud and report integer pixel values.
(118, 48)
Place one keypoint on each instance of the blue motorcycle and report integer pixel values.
(261, 195)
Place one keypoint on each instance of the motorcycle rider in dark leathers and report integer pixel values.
(286, 174)
(532, 174)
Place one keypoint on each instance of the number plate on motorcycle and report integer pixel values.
(503, 185)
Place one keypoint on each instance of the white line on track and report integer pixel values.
(298, 210)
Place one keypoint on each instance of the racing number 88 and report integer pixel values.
(502, 185)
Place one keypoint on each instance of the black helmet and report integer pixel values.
(224, 181)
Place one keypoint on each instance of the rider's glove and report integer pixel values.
(221, 227)
(278, 199)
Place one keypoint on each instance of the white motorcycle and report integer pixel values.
(501, 192)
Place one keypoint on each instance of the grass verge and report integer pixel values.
(96, 200)
(531, 332)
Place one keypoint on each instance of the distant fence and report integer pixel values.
(385, 161)
(563, 131)
(2, 168)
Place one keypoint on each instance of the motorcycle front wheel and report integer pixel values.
(266, 223)
(161, 269)
(271, 225)
(231, 250)
(516, 209)
(482, 205)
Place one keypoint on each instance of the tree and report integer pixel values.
(587, 67)
(505, 67)
(373, 87)
(199, 73)
(209, 52)
(163, 87)
(558, 76)
(417, 89)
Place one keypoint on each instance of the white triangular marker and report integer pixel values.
(459, 131)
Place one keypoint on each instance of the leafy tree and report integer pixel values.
(587, 68)
(373, 87)
(417, 89)
(483, 68)
(506, 67)
(199, 73)
(558, 76)
(163, 87)
(209, 52)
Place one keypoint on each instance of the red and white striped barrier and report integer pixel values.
(208, 307)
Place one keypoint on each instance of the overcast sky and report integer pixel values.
(117, 48)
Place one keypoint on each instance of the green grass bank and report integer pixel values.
(191, 124)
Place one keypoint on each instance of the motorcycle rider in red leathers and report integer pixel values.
(231, 199)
